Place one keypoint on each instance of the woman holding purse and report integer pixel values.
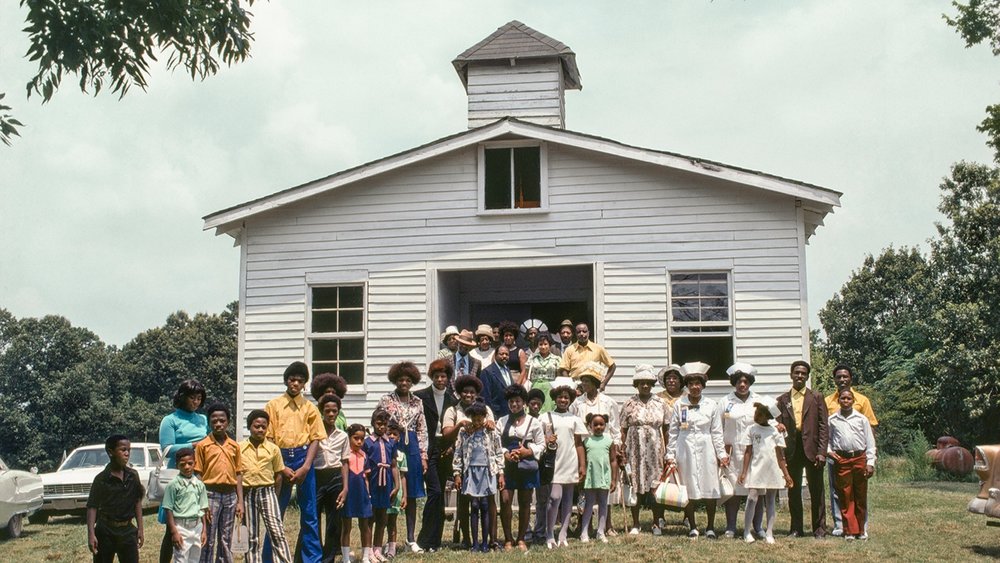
(695, 448)
(524, 441)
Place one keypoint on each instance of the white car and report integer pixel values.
(20, 496)
(67, 489)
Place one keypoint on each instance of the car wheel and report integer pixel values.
(15, 526)
(39, 518)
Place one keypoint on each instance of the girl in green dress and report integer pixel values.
(602, 475)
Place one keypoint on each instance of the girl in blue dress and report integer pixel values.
(478, 467)
(383, 476)
(355, 500)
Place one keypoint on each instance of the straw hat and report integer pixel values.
(465, 337)
(451, 330)
(484, 330)
(593, 370)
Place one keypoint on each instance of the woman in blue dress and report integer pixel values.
(181, 429)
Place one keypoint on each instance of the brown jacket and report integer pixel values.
(815, 434)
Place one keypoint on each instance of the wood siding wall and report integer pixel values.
(636, 221)
(530, 91)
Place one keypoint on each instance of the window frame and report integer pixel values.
(312, 337)
(673, 325)
(543, 177)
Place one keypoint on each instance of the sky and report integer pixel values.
(101, 199)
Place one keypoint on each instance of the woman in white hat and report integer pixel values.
(484, 339)
(670, 379)
(737, 417)
(694, 446)
(449, 342)
(644, 419)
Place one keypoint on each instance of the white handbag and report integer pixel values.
(159, 478)
(727, 484)
(240, 544)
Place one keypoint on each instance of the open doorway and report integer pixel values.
(468, 298)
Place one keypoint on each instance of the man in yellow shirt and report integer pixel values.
(581, 353)
(296, 427)
(843, 377)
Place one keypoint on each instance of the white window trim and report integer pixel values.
(543, 177)
(310, 336)
(672, 324)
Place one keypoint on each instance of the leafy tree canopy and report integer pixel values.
(112, 43)
(976, 22)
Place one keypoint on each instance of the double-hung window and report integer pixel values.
(701, 320)
(336, 331)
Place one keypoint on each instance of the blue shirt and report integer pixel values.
(181, 429)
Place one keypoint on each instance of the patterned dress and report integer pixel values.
(543, 371)
(644, 446)
(410, 415)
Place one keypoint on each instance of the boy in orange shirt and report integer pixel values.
(217, 463)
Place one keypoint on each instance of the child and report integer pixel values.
(297, 428)
(602, 475)
(383, 481)
(478, 466)
(329, 477)
(186, 504)
(261, 463)
(399, 499)
(115, 499)
(536, 400)
(764, 470)
(564, 432)
(218, 465)
(852, 447)
(355, 501)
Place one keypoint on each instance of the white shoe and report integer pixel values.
(729, 534)
(657, 531)
(584, 539)
(748, 538)
(710, 534)
(563, 543)
(769, 539)
(693, 534)
(662, 523)
(415, 548)
(849, 538)
(633, 532)
(863, 536)
(837, 532)
(551, 544)
(601, 538)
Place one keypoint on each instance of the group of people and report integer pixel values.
(540, 431)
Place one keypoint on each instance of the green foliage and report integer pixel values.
(976, 22)
(924, 331)
(8, 125)
(112, 43)
(61, 387)
(917, 466)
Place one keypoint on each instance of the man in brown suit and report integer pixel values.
(804, 417)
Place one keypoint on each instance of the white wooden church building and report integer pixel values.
(670, 258)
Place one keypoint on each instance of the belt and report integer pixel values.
(221, 488)
(848, 453)
(294, 450)
(188, 521)
(116, 523)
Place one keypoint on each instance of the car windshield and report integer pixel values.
(98, 458)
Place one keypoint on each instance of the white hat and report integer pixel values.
(771, 405)
(451, 330)
(695, 368)
(661, 377)
(644, 372)
(741, 367)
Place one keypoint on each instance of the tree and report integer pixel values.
(863, 322)
(113, 43)
(976, 22)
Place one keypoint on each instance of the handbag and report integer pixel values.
(530, 464)
(159, 478)
(727, 487)
(629, 497)
(670, 492)
(548, 461)
(240, 544)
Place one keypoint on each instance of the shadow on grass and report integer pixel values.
(945, 486)
(26, 533)
(986, 551)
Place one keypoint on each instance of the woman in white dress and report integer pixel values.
(695, 448)
(737, 418)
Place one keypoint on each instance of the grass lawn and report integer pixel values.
(920, 521)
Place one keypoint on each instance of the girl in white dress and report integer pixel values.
(564, 432)
(764, 471)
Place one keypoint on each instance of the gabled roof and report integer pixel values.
(517, 41)
(816, 200)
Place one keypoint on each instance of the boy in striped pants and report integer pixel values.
(262, 467)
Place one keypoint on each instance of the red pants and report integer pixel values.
(852, 491)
